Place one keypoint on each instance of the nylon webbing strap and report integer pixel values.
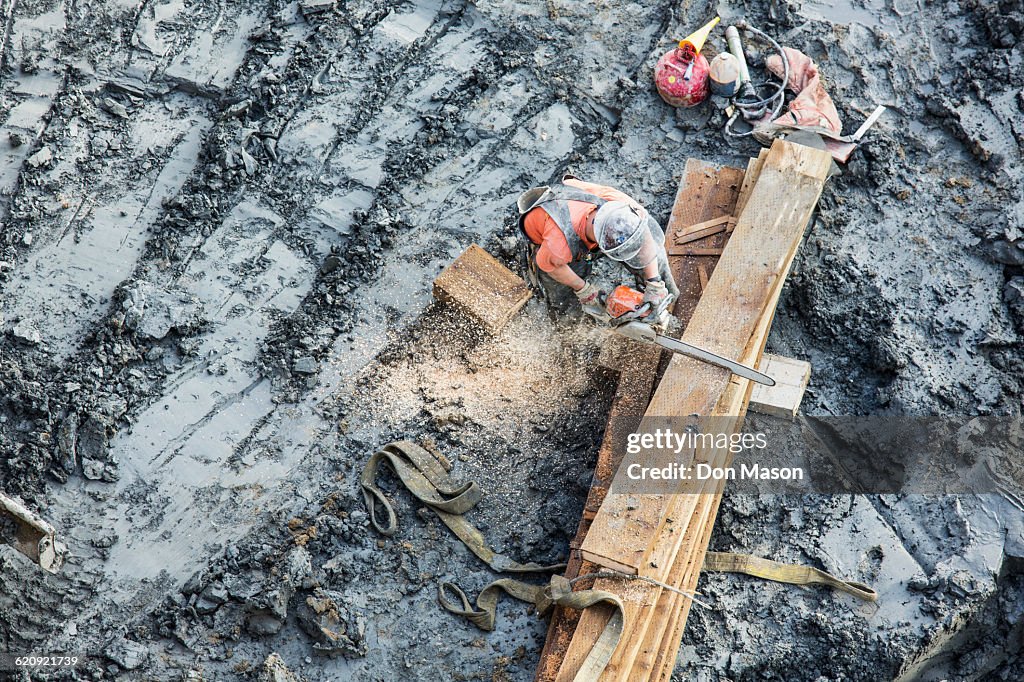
(556, 593)
(427, 479)
(727, 562)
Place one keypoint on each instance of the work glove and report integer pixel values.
(592, 301)
(656, 294)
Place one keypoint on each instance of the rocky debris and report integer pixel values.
(153, 312)
(41, 158)
(313, 7)
(211, 598)
(28, 332)
(275, 670)
(268, 611)
(113, 107)
(1013, 295)
(304, 365)
(127, 654)
(334, 627)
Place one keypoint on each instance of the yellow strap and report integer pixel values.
(544, 597)
(728, 562)
(426, 477)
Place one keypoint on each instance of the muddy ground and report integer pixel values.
(219, 222)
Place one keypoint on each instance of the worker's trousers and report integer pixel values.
(560, 298)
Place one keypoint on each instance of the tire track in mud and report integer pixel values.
(411, 191)
(38, 600)
(183, 266)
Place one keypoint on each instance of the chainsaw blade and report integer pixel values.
(739, 369)
(645, 333)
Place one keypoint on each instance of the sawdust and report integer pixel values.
(529, 371)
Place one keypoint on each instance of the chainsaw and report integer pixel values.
(630, 317)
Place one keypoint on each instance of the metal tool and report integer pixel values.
(749, 103)
(32, 536)
(761, 112)
(629, 317)
(841, 147)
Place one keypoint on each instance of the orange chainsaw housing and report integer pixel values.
(623, 300)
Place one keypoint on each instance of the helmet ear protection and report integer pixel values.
(527, 201)
(531, 198)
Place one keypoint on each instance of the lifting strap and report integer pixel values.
(425, 474)
(426, 477)
(794, 574)
(558, 592)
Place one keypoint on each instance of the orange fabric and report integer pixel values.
(542, 229)
(812, 105)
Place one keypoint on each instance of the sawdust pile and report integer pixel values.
(516, 379)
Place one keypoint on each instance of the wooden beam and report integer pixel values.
(784, 398)
(484, 289)
(704, 191)
(704, 229)
(702, 273)
(693, 251)
(725, 320)
(750, 179)
(766, 235)
(657, 653)
(734, 401)
(636, 369)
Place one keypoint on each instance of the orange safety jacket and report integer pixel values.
(558, 222)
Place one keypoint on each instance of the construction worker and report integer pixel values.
(570, 224)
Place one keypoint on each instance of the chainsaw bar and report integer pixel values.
(646, 334)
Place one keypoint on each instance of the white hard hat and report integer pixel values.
(622, 234)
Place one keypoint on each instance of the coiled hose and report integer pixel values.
(749, 104)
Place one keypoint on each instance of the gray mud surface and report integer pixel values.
(219, 222)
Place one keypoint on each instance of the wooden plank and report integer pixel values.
(704, 191)
(662, 646)
(660, 642)
(749, 180)
(767, 234)
(484, 289)
(735, 400)
(663, 615)
(703, 229)
(693, 251)
(706, 232)
(784, 398)
(636, 369)
(702, 273)
(703, 225)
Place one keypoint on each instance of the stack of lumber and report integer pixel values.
(660, 536)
